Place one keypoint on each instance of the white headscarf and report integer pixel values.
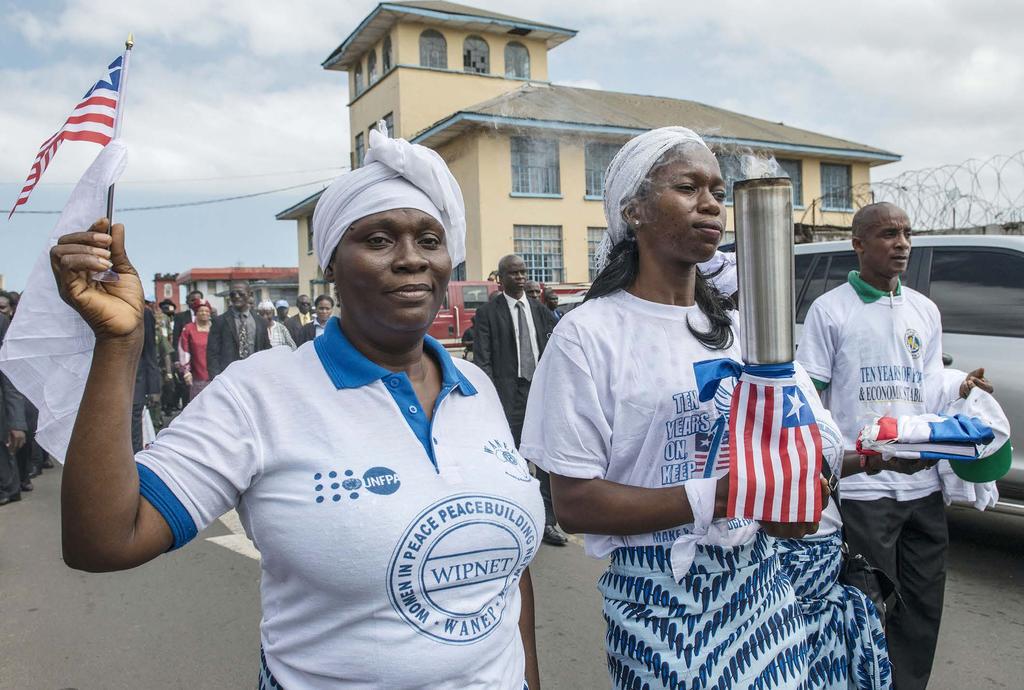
(396, 174)
(627, 172)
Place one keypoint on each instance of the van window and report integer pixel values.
(979, 291)
(815, 285)
(474, 296)
(839, 269)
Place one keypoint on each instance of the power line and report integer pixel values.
(176, 180)
(203, 202)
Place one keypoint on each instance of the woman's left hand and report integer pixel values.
(797, 530)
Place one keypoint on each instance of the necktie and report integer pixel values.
(243, 337)
(527, 363)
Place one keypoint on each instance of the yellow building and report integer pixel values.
(531, 155)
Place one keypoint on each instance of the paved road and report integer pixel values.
(189, 620)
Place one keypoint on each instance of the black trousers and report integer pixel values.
(515, 415)
(10, 481)
(908, 540)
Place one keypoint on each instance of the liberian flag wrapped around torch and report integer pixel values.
(775, 448)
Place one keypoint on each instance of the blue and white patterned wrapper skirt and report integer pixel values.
(733, 621)
(846, 642)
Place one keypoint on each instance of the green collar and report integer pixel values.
(869, 293)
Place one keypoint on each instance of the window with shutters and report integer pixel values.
(371, 68)
(794, 170)
(433, 50)
(535, 168)
(517, 61)
(597, 156)
(359, 79)
(836, 194)
(594, 237)
(476, 55)
(540, 246)
(385, 55)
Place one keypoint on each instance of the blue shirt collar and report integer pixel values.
(347, 367)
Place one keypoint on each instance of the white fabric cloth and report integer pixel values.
(377, 570)
(985, 407)
(627, 171)
(529, 324)
(620, 403)
(48, 349)
(724, 263)
(395, 174)
(879, 358)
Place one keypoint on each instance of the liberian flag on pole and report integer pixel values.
(93, 119)
(775, 449)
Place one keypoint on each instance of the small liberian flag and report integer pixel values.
(775, 470)
(91, 120)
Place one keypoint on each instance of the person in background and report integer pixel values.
(509, 337)
(170, 396)
(551, 302)
(147, 374)
(294, 324)
(532, 290)
(12, 430)
(237, 333)
(281, 306)
(278, 334)
(315, 328)
(187, 316)
(492, 277)
(192, 350)
(874, 347)
(5, 305)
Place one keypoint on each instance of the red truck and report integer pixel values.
(457, 310)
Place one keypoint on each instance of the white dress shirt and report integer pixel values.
(512, 302)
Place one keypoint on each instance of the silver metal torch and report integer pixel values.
(764, 257)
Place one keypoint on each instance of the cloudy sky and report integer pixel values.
(227, 97)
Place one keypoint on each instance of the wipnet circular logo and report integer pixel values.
(451, 573)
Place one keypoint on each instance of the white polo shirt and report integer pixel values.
(392, 546)
(880, 355)
(615, 397)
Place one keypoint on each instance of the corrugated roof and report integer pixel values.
(386, 14)
(626, 114)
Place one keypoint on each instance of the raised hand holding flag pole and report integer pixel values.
(110, 275)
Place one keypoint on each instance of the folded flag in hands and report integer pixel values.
(925, 437)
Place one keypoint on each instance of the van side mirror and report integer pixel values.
(947, 360)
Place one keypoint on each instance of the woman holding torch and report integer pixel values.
(692, 599)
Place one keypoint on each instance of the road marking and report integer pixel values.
(236, 541)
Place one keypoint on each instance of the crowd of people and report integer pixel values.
(417, 483)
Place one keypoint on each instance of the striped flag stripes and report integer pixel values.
(92, 120)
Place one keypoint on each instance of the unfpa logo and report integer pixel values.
(378, 480)
(913, 342)
(515, 465)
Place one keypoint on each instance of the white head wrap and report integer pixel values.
(265, 304)
(627, 172)
(396, 174)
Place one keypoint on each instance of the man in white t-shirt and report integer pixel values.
(874, 347)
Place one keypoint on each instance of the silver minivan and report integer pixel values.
(977, 281)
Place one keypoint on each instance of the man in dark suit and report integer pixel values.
(237, 333)
(294, 324)
(509, 337)
(315, 328)
(12, 431)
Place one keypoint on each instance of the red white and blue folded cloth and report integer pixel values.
(925, 437)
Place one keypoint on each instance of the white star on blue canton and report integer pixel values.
(795, 405)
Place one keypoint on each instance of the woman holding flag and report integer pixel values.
(692, 599)
(410, 482)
